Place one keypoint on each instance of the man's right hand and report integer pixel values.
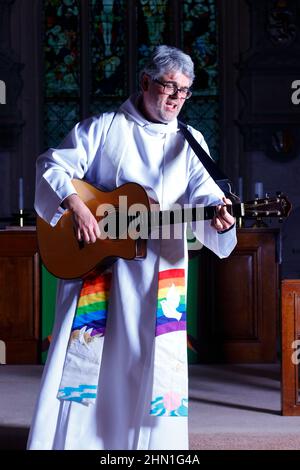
(85, 224)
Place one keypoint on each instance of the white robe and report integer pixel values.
(107, 155)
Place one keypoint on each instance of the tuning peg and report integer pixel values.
(267, 196)
(278, 193)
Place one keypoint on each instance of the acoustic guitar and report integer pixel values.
(126, 221)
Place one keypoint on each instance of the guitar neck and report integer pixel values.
(190, 214)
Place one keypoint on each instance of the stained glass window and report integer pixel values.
(107, 48)
(200, 40)
(204, 116)
(60, 118)
(199, 37)
(111, 62)
(154, 26)
(62, 68)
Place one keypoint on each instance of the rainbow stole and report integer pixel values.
(80, 375)
(171, 303)
(170, 392)
(92, 304)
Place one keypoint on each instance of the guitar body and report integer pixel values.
(67, 258)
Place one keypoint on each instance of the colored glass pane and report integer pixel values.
(154, 25)
(200, 38)
(59, 120)
(61, 52)
(105, 105)
(204, 116)
(107, 48)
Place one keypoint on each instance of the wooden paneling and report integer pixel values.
(19, 296)
(290, 327)
(239, 300)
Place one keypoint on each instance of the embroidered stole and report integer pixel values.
(170, 381)
(83, 359)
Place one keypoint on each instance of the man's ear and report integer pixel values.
(145, 82)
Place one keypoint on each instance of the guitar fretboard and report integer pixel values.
(178, 216)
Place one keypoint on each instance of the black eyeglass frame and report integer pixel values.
(188, 91)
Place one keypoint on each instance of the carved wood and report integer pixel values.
(290, 328)
(19, 296)
(239, 300)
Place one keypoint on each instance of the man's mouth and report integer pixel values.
(171, 106)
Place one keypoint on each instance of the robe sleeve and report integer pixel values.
(203, 190)
(57, 167)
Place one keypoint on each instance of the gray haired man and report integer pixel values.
(119, 339)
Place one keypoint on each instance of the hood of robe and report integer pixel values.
(131, 111)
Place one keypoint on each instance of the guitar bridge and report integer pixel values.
(140, 248)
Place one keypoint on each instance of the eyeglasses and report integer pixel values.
(171, 89)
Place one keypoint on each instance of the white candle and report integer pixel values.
(21, 196)
(259, 189)
(240, 188)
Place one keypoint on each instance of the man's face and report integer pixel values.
(157, 106)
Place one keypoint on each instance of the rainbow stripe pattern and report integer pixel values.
(171, 302)
(92, 304)
(80, 375)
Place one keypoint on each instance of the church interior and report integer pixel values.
(62, 61)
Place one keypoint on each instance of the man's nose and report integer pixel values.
(175, 95)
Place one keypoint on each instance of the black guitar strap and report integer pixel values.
(217, 175)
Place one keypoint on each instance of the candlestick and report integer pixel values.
(21, 195)
(259, 189)
(240, 188)
(21, 218)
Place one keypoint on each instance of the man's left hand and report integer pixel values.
(222, 219)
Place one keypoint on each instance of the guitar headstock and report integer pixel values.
(278, 206)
